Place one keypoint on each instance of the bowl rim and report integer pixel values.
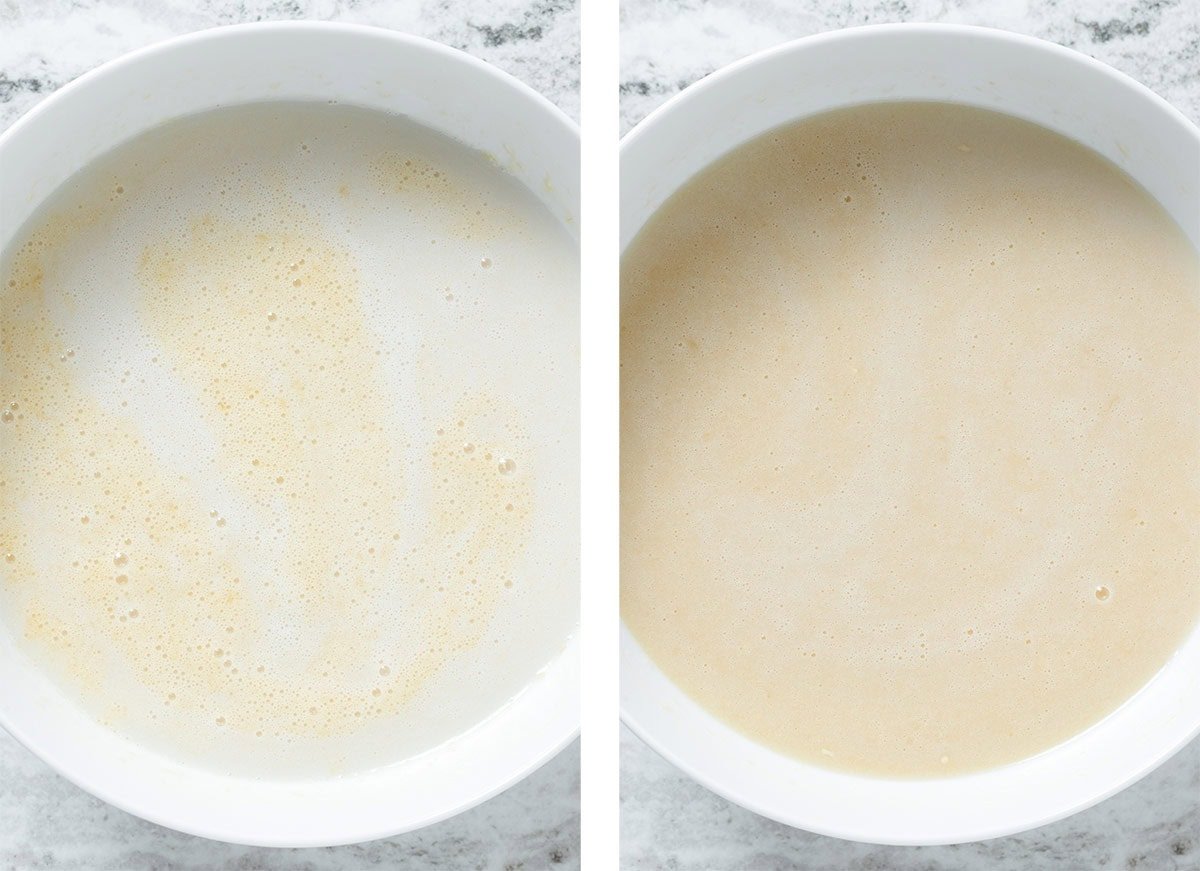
(702, 85)
(353, 836)
(682, 102)
(352, 832)
(223, 31)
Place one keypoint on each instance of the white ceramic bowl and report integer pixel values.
(1028, 78)
(441, 88)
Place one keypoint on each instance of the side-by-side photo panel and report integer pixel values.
(289, 448)
(910, 428)
(296, 393)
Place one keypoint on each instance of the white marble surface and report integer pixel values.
(47, 823)
(46, 43)
(671, 823)
(667, 820)
(668, 44)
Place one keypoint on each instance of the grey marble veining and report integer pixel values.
(46, 43)
(46, 822)
(667, 820)
(668, 44)
(671, 823)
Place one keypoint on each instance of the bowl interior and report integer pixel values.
(1039, 82)
(435, 86)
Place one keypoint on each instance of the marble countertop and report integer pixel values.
(47, 43)
(49, 824)
(668, 44)
(46, 822)
(667, 820)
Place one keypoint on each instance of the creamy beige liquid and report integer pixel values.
(289, 439)
(910, 438)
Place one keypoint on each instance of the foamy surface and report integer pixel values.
(289, 449)
(910, 439)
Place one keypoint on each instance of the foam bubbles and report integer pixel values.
(300, 561)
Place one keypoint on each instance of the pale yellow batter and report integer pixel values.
(910, 439)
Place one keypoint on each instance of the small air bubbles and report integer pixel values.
(268, 333)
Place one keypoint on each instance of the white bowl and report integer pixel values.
(1038, 81)
(441, 88)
